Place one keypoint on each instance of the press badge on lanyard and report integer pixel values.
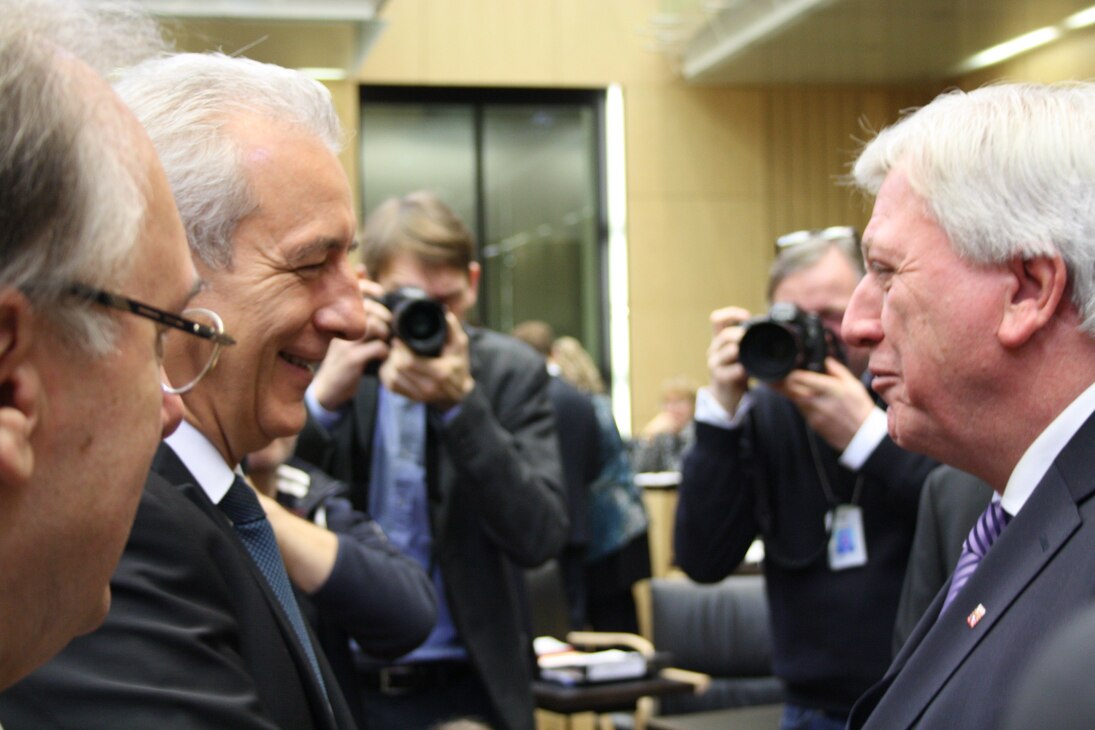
(847, 542)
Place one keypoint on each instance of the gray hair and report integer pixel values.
(188, 102)
(104, 34)
(1006, 170)
(809, 251)
(72, 186)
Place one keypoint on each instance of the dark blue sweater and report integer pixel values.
(831, 630)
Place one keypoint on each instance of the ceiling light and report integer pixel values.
(1081, 19)
(1009, 49)
(730, 33)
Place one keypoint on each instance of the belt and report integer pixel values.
(401, 679)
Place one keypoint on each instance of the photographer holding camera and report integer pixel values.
(803, 461)
(452, 450)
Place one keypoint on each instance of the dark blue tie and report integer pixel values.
(243, 508)
(982, 535)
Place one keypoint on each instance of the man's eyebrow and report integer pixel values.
(319, 246)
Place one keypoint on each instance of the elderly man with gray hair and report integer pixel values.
(978, 309)
(94, 271)
(205, 630)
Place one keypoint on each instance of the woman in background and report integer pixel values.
(618, 552)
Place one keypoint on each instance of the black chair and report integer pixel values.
(721, 630)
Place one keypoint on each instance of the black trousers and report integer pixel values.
(425, 702)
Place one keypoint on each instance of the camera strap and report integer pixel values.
(844, 537)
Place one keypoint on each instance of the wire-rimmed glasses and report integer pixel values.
(186, 359)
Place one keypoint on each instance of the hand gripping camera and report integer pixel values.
(786, 339)
(417, 319)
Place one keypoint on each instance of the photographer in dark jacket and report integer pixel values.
(806, 464)
(456, 457)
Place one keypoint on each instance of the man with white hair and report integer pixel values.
(979, 311)
(206, 631)
(94, 272)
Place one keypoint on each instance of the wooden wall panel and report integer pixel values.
(714, 174)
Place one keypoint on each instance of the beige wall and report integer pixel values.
(713, 174)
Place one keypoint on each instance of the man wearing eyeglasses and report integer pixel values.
(805, 463)
(205, 630)
(83, 203)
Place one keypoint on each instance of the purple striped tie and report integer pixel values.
(982, 535)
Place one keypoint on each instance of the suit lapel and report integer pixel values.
(170, 466)
(938, 648)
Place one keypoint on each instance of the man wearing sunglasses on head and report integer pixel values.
(206, 631)
(802, 460)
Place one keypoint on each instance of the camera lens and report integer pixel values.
(421, 320)
(770, 350)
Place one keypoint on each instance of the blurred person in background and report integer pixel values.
(578, 430)
(618, 552)
(664, 439)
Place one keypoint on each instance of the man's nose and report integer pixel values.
(862, 325)
(343, 316)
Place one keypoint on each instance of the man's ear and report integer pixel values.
(474, 274)
(20, 388)
(1037, 288)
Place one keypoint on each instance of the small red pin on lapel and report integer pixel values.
(977, 614)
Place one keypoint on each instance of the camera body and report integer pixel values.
(786, 339)
(417, 319)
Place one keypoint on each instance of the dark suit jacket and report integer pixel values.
(496, 502)
(1056, 689)
(1039, 572)
(194, 638)
(579, 448)
(950, 503)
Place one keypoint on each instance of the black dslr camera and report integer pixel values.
(786, 339)
(417, 319)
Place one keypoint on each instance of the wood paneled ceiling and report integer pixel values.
(843, 41)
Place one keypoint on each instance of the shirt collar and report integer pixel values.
(1040, 454)
(203, 460)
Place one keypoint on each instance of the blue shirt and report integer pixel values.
(398, 502)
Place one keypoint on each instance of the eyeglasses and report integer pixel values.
(189, 359)
(832, 233)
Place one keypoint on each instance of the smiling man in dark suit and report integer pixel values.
(455, 455)
(205, 631)
(979, 311)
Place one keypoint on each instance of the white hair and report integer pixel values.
(188, 102)
(73, 187)
(104, 34)
(1006, 170)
